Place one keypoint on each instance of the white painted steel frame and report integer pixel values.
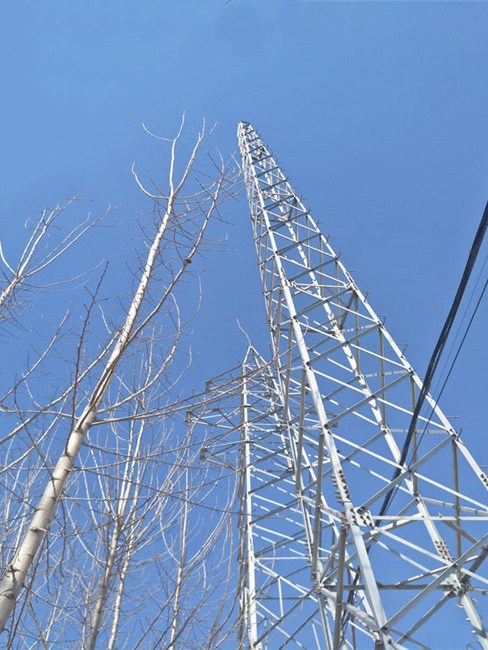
(347, 395)
(277, 607)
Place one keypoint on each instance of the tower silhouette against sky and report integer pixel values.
(358, 528)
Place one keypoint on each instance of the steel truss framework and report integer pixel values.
(322, 562)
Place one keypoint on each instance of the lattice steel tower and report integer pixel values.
(342, 544)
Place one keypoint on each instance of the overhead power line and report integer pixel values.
(439, 348)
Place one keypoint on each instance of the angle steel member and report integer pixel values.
(347, 395)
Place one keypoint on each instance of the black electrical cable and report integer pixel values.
(433, 363)
(451, 368)
(461, 328)
(454, 344)
(435, 358)
(453, 363)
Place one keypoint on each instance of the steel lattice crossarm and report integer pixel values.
(347, 396)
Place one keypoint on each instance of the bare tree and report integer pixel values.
(43, 248)
(158, 551)
(136, 485)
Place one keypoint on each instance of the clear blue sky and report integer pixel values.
(376, 110)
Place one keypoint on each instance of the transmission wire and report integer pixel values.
(436, 355)
(461, 325)
(433, 363)
(451, 368)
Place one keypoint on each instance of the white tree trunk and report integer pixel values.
(25, 554)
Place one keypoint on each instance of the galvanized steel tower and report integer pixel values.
(343, 543)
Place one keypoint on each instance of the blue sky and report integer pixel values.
(376, 110)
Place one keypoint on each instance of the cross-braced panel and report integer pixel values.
(278, 607)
